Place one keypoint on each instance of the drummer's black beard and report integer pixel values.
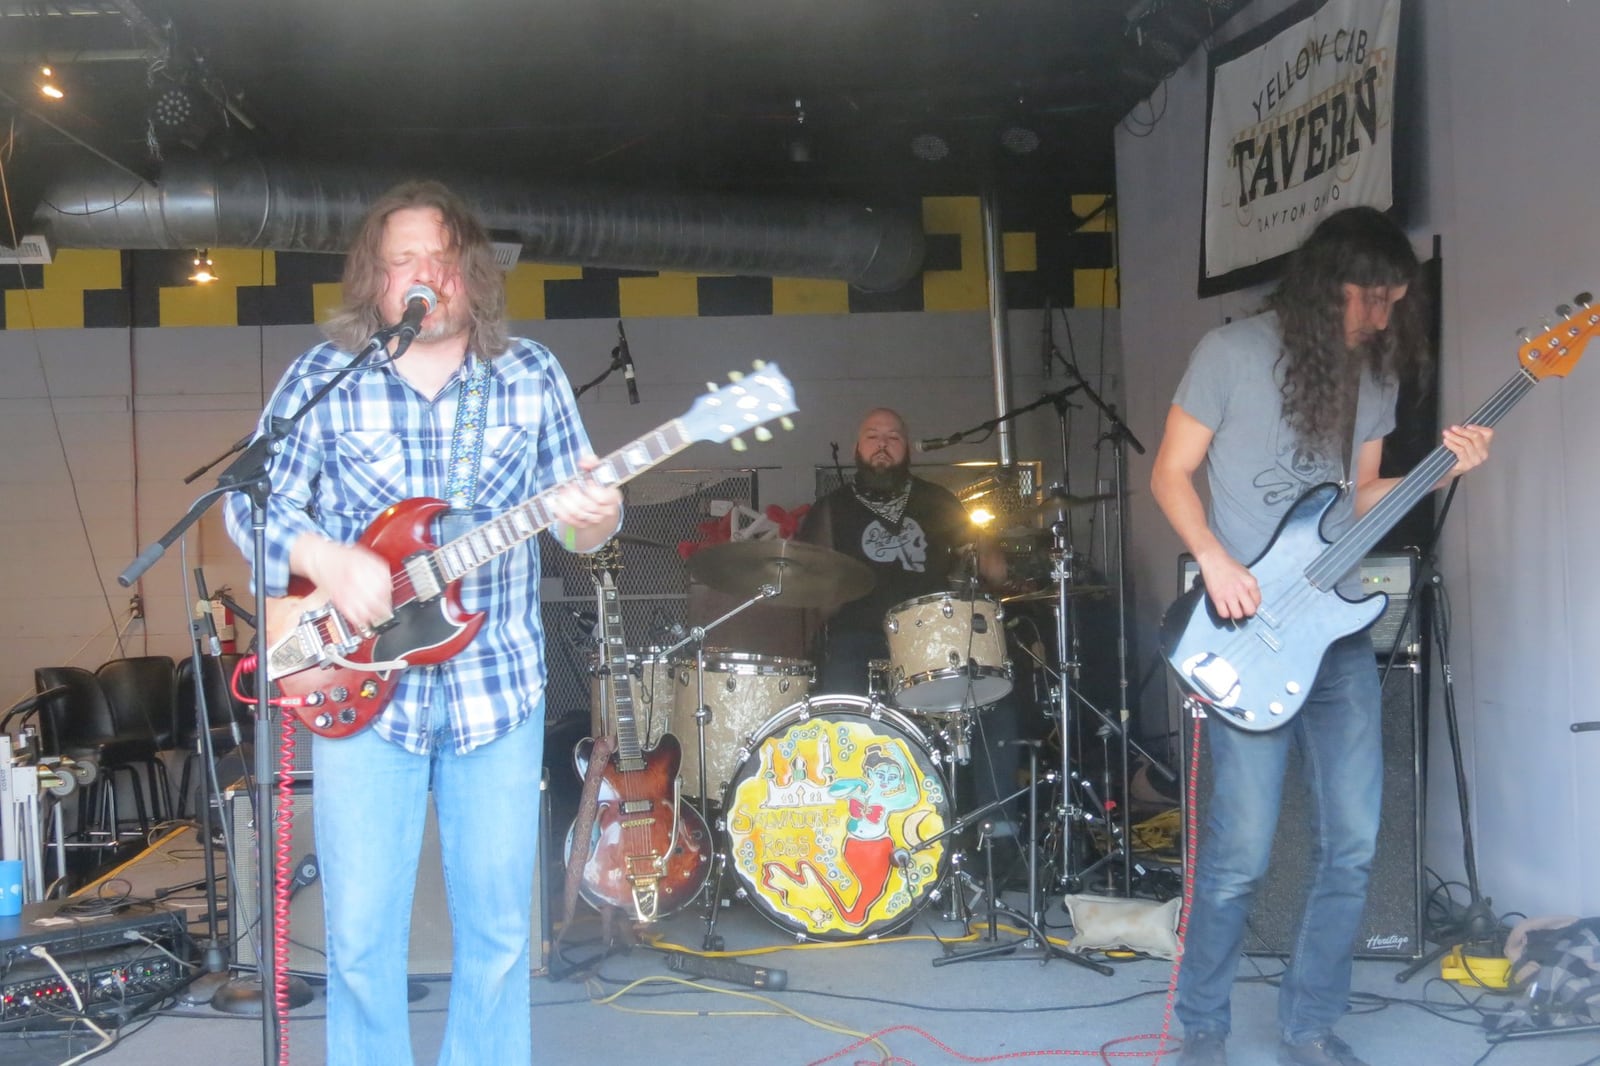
(882, 484)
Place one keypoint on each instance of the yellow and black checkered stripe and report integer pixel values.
(1067, 260)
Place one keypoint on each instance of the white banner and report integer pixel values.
(1300, 125)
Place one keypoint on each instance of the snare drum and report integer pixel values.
(650, 685)
(742, 690)
(947, 651)
(827, 818)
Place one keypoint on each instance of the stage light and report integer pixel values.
(203, 274)
(930, 147)
(48, 86)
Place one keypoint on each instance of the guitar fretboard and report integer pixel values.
(1340, 557)
(629, 755)
(504, 532)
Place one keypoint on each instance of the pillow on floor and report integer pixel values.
(1104, 923)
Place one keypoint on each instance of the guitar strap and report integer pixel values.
(466, 452)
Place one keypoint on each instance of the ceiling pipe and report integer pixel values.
(994, 261)
(200, 203)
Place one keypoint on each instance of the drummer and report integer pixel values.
(914, 536)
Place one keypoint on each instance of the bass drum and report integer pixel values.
(827, 816)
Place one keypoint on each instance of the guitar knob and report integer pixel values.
(323, 720)
(339, 693)
(347, 715)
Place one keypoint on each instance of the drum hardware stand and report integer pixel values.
(1121, 438)
(1036, 945)
(696, 635)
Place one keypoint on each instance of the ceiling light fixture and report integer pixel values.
(203, 272)
(930, 147)
(48, 86)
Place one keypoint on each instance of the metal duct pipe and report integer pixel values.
(311, 208)
(994, 262)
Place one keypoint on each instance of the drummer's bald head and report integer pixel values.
(881, 415)
(883, 452)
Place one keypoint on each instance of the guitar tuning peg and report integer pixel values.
(786, 422)
(735, 375)
(739, 445)
(763, 434)
(1583, 299)
(1524, 334)
(759, 364)
(1564, 310)
(711, 386)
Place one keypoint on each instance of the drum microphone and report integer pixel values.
(736, 973)
(932, 444)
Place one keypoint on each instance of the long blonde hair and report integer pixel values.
(482, 280)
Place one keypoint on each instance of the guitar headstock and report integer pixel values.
(747, 403)
(1557, 349)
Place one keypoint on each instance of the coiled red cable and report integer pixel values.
(282, 860)
(282, 850)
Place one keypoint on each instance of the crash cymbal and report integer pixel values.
(805, 574)
(1056, 500)
(1049, 595)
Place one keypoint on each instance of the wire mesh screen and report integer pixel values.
(664, 508)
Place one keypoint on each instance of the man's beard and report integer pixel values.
(890, 481)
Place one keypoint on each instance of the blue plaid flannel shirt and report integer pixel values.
(374, 441)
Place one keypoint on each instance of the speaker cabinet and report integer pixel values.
(430, 914)
(1392, 927)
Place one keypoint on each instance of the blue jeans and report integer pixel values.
(371, 799)
(1340, 731)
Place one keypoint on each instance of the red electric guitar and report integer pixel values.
(343, 677)
(649, 854)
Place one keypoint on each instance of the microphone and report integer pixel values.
(202, 615)
(419, 301)
(930, 444)
(737, 973)
(627, 364)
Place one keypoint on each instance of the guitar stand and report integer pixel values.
(702, 716)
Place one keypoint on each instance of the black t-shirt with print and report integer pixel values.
(913, 557)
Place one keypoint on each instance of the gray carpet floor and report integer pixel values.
(852, 1002)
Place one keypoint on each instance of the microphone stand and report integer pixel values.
(1057, 397)
(1121, 438)
(248, 474)
(617, 363)
(214, 965)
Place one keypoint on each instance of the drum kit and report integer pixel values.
(835, 814)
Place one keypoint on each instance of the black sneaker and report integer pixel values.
(1204, 1048)
(1323, 1051)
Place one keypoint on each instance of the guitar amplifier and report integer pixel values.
(1389, 572)
(430, 946)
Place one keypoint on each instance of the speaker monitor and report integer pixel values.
(1392, 926)
(430, 915)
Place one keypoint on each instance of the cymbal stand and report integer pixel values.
(1036, 945)
(696, 635)
(1121, 439)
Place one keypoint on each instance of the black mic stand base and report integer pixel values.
(242, 995)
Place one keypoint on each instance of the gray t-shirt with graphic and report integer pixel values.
(1255, 467)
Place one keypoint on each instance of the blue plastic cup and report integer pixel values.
(10, 887)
